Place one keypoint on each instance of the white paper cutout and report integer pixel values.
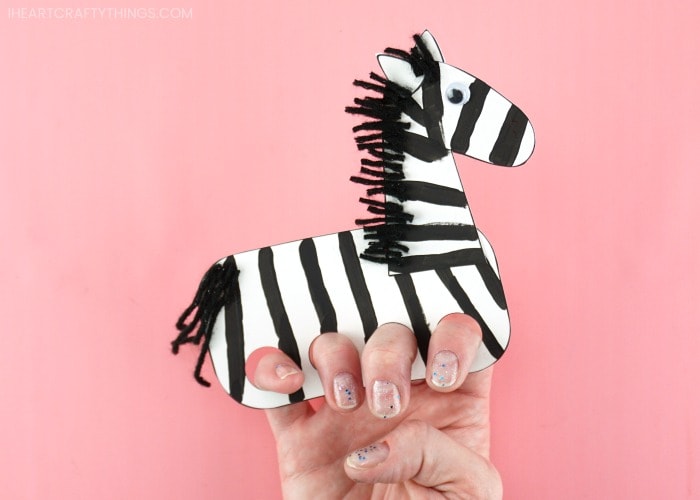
(418, 258)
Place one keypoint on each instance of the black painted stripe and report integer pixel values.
(416, 263)
(427, 192)
(487, 336)
(317, 288)
(493, 283)
(415, 313)
(283, 328)
(233, 316)
(469, 115)
(358, 285)
(428, 232)
(509, 138)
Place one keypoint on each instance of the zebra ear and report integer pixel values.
(431, 44)
(399, 71)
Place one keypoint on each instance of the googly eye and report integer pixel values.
(457, 93)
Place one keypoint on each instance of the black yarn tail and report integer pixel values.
(215, 291)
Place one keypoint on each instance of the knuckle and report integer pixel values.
(392, 337)
(463, 322)
(391, 333)
(388, 356)
(329, 347)
(460, 329)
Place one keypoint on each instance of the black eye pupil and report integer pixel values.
(455, 96)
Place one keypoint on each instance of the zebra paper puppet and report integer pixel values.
(418, 257)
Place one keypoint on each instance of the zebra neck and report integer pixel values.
(431, 191)
(424, 221)
(439, 230)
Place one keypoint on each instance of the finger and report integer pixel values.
(418, 452)
(276, 372)
(283, 418)
(335, 358)
(453, 347)
(478, 384)
(386, 369)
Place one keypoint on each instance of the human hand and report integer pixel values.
(396, 438)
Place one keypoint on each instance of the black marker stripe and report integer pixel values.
(357, 282)
(493, 283)
(424, 148)
(287, 343)
(415, 313)
(317, 289)
(427, 232)
(509, 138)
(415, 263)
(429, 193)
(432, 107)
(233, 316)
(469, 115)
(488, 338)
(414, 111)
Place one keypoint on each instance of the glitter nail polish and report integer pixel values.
(368, 456)
(444, 369)
(386, 400)
(345, 391)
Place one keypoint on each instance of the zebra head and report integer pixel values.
(456, 108)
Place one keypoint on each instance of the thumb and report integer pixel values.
(418, 452)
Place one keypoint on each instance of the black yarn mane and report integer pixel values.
(217, 289)
(384, 139)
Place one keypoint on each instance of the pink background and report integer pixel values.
(133, 153)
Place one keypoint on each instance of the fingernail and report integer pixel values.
(369, 456)
(386, 400)
(445, 365)
(283, 371)
(345, 391)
